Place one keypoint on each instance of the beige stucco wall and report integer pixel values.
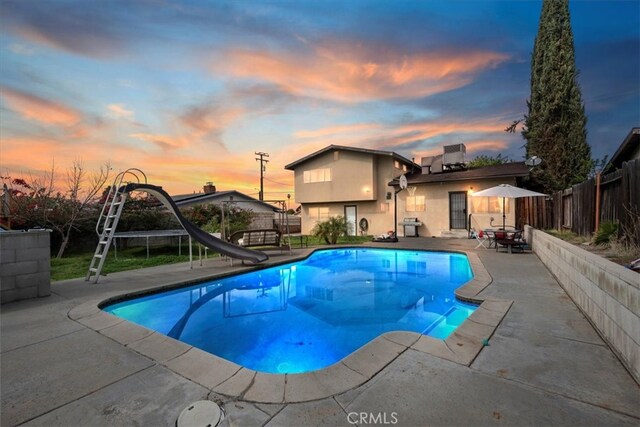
(354, 177)
(435, 217)
(379, 221)
(358, 179)
(361, 179)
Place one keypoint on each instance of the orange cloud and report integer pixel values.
(475, 146)
(166, 142)
(333, 130)
(39, 109)
(350, 74)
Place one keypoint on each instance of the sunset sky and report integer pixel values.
(188, 91)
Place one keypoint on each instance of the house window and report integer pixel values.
(489, 204)
(415, 204)
(317, 175)
(319, 214)
(398, 165)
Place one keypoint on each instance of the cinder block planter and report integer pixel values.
(25, 265)
(607, 293)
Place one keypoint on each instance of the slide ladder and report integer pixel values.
(107, 223)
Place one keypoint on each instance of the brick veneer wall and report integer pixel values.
(607, 293)
(25, 265)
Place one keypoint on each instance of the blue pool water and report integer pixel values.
(307, 315)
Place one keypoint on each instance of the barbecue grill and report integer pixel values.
(410, 227)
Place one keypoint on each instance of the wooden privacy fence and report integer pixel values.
(575, 208)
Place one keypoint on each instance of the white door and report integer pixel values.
(350, 214)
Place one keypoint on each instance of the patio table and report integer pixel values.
(509, 239)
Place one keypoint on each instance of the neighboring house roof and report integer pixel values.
(506, 170)
(293, 165)
(183, 197)
(219, 197)
(628, 150)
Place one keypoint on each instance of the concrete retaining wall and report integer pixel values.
(607, 293)
(25, 265)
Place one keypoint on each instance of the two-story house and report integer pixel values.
(359, 184)
(348, 181)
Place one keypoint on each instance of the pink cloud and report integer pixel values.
(42, 110)
(356, 73)
(336, 130)
(166, 142)
(121, 111)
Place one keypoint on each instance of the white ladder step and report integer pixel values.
(93, 270)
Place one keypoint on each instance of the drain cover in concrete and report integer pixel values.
(203, 413)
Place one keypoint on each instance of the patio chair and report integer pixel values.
(481, 237)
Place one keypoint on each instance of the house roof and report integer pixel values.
(396, 156)
(188, 199)
(626, 149)
(506, 170)
(183, 197)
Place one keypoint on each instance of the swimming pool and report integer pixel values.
(307, 315)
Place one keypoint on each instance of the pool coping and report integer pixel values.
(230, 379)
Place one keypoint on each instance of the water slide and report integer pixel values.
(213, 243)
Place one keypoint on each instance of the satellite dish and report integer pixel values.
(533, 161)
(403, 182)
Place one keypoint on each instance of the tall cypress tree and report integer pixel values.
(555, 128)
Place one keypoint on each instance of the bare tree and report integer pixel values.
(82, 189)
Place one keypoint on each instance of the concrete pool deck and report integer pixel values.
(545, 364)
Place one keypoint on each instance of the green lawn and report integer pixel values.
(76, 265)
(73, 266)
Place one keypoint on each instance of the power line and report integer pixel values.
(279, 183)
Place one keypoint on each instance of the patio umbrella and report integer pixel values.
(506, 191)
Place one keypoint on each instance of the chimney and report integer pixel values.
(209, 188)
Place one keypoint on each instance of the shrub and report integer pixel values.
(331, 229)
(605, 233)
(209, 217)
(213, 226)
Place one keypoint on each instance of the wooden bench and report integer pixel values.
(257, 238)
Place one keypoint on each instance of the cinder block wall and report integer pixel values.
(25, 265)
(262, 220)
(607, 293)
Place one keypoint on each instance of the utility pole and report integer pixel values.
(263, 168)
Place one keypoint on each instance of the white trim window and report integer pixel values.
(317, 175)
(489, 205)
(319, 213)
